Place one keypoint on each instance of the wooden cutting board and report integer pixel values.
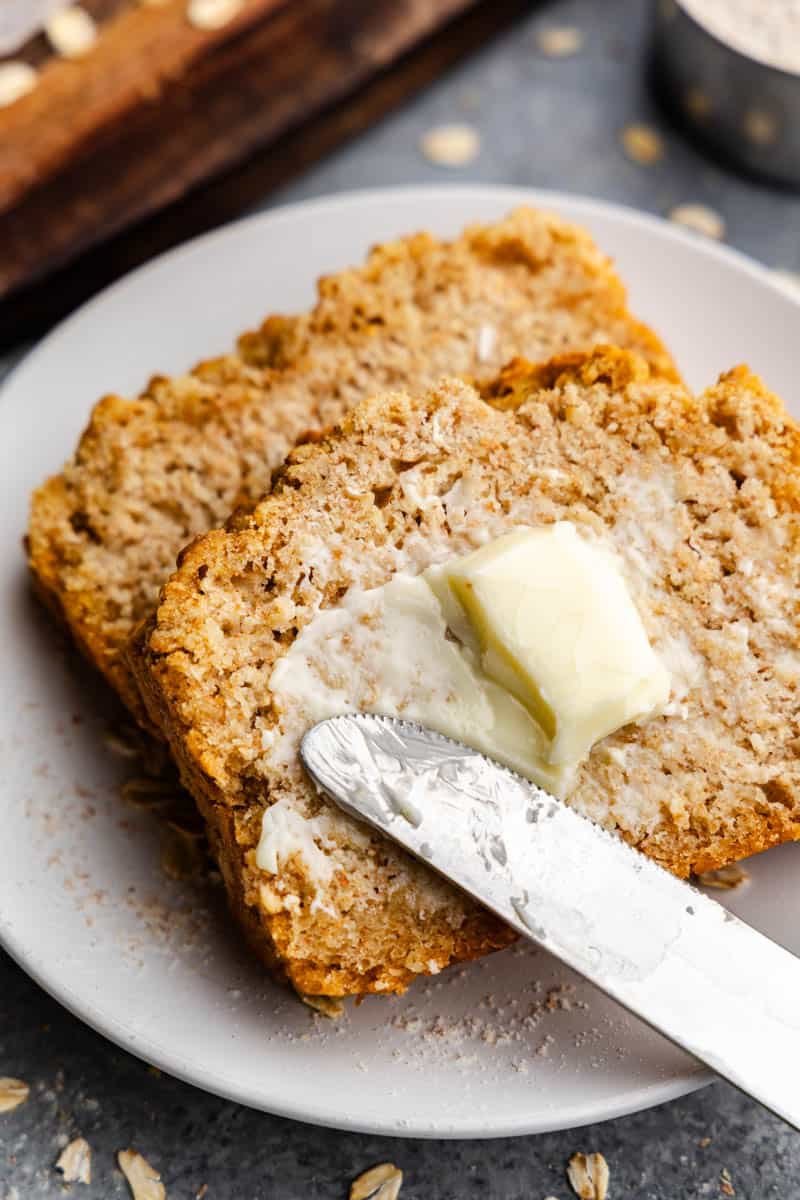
(124, 153)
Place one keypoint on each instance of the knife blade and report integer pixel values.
(667, 952)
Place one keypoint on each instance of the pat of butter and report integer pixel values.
(387, 650)
(549, 655)
(558, 630)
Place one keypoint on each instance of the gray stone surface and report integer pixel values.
(82, 1085)
(547, 123)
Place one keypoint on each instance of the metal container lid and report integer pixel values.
(740, 104)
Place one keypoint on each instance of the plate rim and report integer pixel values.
(577, 1116)
(83, 1008)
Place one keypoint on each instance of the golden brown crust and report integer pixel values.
(152, 472)
(701, 500)
(607, 365)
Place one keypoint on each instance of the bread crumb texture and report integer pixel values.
(152, 472)
(699, 498)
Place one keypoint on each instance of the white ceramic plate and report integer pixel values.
(510, 1045)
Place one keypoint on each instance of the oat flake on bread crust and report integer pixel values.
(700, 498)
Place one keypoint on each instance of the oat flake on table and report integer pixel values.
(143, 1179)
(382, 1182)
(13, 1092)
(588, 1176)
(642, 144)
(451, 145)
(559, 41)
(75, 1161)
(700, 219)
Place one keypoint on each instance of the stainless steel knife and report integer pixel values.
(664, 950)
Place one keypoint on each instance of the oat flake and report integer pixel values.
(13, 1092)
(559, 41)
(143, 1180)
(700, 219)
(642, 144)
(16, 80)
(378, 1183)
(327, 1006)
(588, 1176)
(71, 31)
(451, 145)
(75, 1161)
(212, 14)
(725, 879)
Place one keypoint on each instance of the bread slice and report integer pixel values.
(150, 473)
(700, 498)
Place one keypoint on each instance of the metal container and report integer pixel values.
(740, 105)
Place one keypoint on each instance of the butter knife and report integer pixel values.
(672, 956)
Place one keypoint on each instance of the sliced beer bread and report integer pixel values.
(698, 497)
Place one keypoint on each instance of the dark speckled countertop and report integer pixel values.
(549, 123)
